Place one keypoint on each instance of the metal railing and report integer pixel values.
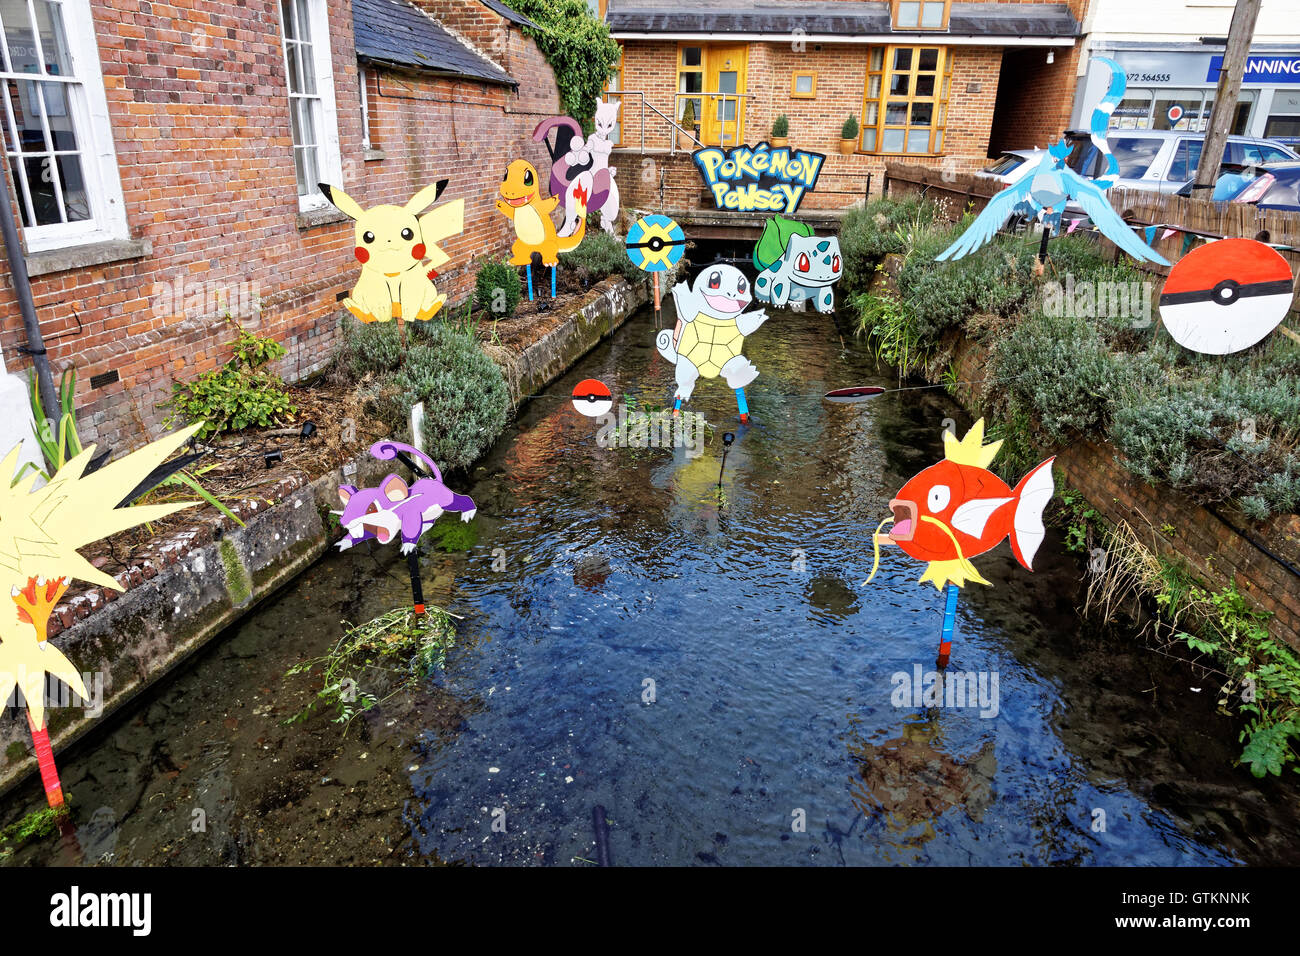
(737, 120)
(675, 128)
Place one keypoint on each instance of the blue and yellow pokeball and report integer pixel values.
(655, 243)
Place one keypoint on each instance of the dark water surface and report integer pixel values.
(710, 669)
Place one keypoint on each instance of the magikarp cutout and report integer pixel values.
(957, 509)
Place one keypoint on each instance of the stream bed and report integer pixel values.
(706, 665)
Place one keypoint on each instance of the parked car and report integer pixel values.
(1166, 160)
(1276, 186)
(1013, 165)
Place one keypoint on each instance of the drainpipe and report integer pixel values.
(22, 285)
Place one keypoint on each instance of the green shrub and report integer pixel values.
(1075, 255)
(1153, 433)
(368, 348)
(849, 130)
(465, 397)
(871, 232)
(943, 295)
(496, 289)
(600, 255)
(1060, 369)
(1279, 493)
(243, 393)
(578, 48)
(781, 126)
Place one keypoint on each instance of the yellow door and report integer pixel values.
(724, 115)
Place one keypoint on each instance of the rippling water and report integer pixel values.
(772, 677)
(709, 668)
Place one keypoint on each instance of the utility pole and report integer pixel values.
(1240, 33)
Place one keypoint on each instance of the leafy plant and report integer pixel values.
(688, 116)
(600, 255)
(1260, 674)
(850, 128)
(37, 825)
(391, 653)
(889, 324)
(579, 49)
(243, 393)
(465, 398)
(1083, 522)
(496, 288)
(56, 447)
(781, 126)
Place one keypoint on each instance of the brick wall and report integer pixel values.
(1000, 99)
(1034, 98)
(200, 116)
(814, 123)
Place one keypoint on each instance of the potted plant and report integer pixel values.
(781, 131)
(688, 124)
(849, 135)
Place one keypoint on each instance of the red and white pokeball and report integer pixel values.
(592, 398)
(1226, 296)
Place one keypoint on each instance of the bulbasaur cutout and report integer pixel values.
(794, 265)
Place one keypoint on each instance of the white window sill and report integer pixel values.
(50, 261)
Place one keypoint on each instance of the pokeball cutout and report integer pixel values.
(655, 243)
(592, 398)
(1226, 296)
(849, 396)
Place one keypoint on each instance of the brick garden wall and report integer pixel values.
(200, 115)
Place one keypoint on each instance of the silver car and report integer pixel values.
(1166, 160)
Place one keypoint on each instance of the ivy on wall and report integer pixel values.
(579, 49)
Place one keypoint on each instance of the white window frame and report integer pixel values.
(365, 106)
(88, 110)
(329, 160)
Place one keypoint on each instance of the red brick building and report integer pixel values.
(164, 158)
(935, 82)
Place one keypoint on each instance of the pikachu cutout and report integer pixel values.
(391, 245)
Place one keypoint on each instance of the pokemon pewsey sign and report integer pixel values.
(759, 178)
